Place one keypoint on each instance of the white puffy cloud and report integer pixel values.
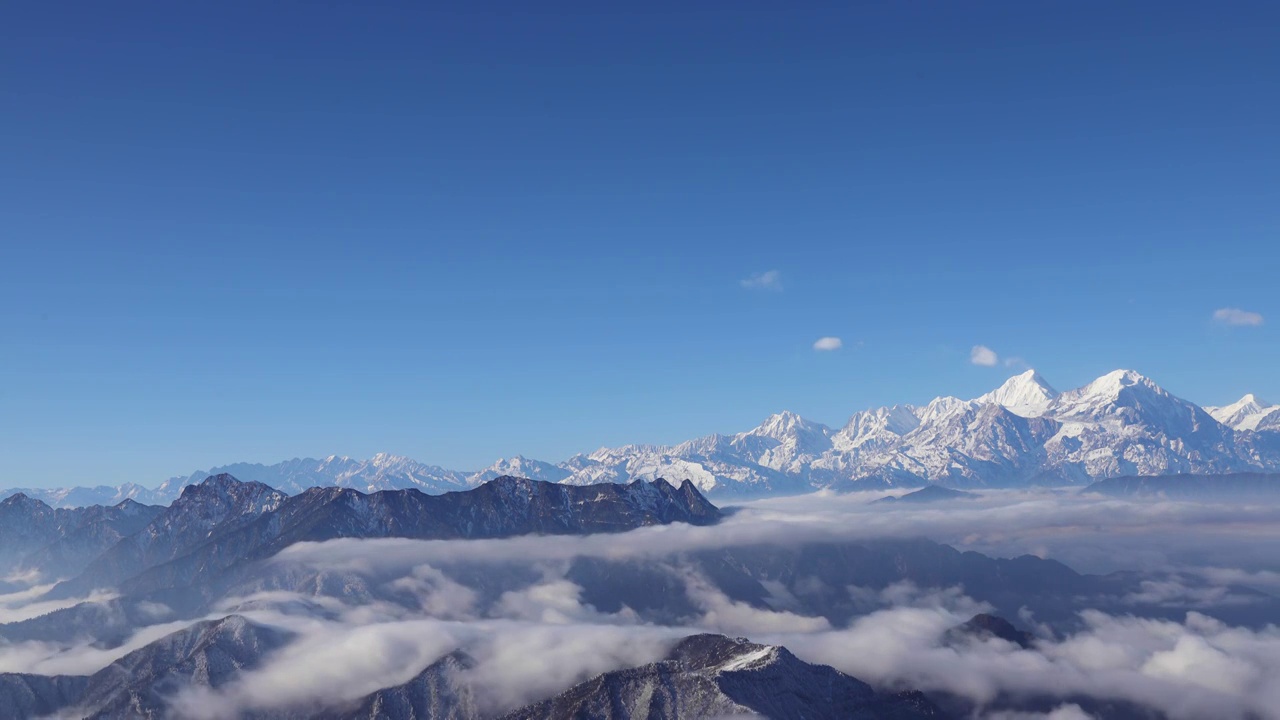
(1236, 316)
(826, 344)
(1068, 711)
(350, 651)
(767, 280)
(984, 356)
(722, 614)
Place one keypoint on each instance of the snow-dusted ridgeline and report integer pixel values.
(1022, 433)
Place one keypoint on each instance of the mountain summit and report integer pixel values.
(1027, 394)
(1247, 413)
(714, 676)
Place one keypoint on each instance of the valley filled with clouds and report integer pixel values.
(1123, 606)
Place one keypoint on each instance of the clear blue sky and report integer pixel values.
(253, 231)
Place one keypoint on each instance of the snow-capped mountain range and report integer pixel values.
(1024, 432)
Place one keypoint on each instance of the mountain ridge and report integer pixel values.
(1022, 433)
(715, 676)
(224, 522)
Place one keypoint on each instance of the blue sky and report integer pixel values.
(248, 231)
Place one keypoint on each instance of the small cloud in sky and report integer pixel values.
(984, 356)
(1016, 362)
(767, 280)
(1236, 316)
(824, 344)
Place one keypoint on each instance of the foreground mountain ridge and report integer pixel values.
(703, 676)
(715, 676)
(1023, 433)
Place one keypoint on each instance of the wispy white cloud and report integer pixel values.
(826, 344)
(767, 280)
(1191, 669)
(1236, 316)
(984, 356)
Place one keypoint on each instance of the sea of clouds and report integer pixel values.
(539, 639)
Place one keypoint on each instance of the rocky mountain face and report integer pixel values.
(58, 542)
(1023, 433)
(439, 692)
(38, 696)
(215, 507)
(714, 676)
(144, 683)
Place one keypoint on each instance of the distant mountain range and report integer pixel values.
(1022, 433)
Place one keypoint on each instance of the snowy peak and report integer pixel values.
(793, 431)
(877, 428)
(784, 442)
(1116, 382)
(520, 466)
(786, 424)
(1247, 413)
(1027, 394)
(1123, 396)
(943, 407)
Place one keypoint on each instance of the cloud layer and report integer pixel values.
(534, 638)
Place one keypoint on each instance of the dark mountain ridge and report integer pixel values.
(1228, 487)
(222, 523)
(61, 541)
(715, 676)
(927, 494)
(703, 676)
(143, 683)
